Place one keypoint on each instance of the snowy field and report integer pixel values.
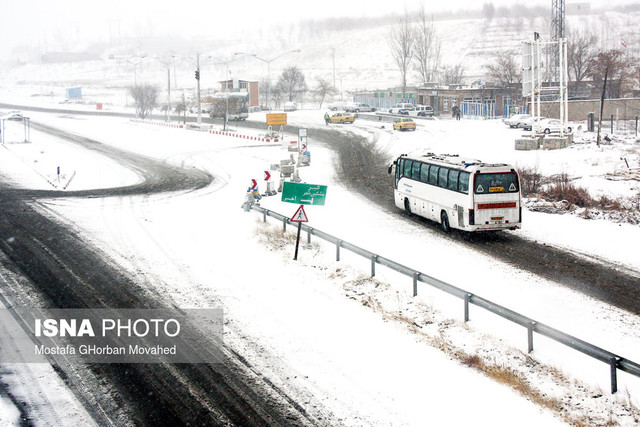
(362, 349)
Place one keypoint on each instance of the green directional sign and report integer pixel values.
(304, 194)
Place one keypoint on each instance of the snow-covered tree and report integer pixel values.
(401, 42)
(292, 83)
(145, 97)
(426, 49)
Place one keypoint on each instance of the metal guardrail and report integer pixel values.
(614, 361)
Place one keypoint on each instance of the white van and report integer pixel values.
(402, 106)
(290, 106)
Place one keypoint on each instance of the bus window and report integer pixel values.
(442, 177)
(407, 168)
(463, 182)
(433, 174)
(424, 173)
(399, 166)
(486, 183)
(415, 170)
(453, 180)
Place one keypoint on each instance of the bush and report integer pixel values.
(530, 181)
(561, 188)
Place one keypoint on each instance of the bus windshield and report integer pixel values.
(485, 183)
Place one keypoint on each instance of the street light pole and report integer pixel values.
(268, 61)
(198, 80)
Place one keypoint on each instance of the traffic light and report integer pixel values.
(197, 74)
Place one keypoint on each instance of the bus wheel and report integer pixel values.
(407, 205)
(444, 222)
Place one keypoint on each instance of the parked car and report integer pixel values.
(338, 105)
(404, 124)
(422, 111)
(551, 126)
(402, 106)
(515, 120)
(290, 106)
(342, 118)
(527, 123)
(357, 107)
(13, 115)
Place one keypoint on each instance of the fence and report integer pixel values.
(478, 110)
(614, 361)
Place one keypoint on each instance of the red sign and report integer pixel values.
(267, 175)
(255, 184)
(300, 215)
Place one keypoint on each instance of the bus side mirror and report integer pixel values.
(390, 168)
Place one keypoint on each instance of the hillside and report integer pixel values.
(362, 55)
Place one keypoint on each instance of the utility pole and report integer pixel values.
(198, 90)
(168, 93)
(557, 33)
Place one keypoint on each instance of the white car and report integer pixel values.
(357, 107)
(551, 126)
(421, 111)
(339, 105)
(401, 107)
(13, 115)
(515, 120)
(290, 106)
(527, 123)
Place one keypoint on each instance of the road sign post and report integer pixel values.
(300, 216)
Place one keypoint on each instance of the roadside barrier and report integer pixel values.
(237, 135)
(159, 123)
(614, 361)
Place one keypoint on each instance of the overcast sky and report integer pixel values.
(43, 22)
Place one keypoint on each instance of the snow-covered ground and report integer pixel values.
(324, 331)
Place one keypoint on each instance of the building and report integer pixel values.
(250, 87)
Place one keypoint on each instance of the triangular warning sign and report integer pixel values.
(300, 215)
(480, 189)
(512, 187)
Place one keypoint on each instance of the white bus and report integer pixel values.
(458, 193)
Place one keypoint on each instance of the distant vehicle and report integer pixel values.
(515, 120)
(342, 118)
(290, 106)
(359, 107)
(458, 193)
(551, 126)
(339, 105)
(422, 111)
(13, 115)
(233, 105)
(402, 106)
(404, 124)
(527, 123)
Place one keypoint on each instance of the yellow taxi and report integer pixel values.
(342, 118)
(404, 124)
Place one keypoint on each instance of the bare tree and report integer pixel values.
(145, 97)
(505, 70)
(292, 83)
(323, 88)
(401, 41)
(609, 66)
(580, 52)
(426, 49)
(452, 74)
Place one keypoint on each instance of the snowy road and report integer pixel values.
(295, 335)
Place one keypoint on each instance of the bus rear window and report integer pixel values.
(486, 183)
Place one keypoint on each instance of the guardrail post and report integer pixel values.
(467, 297)
(338, 243)
(264, 216)
(614, 374)
(530, 335)
(415, 284)
(374, 258)
(284, 224)
(309, 235)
